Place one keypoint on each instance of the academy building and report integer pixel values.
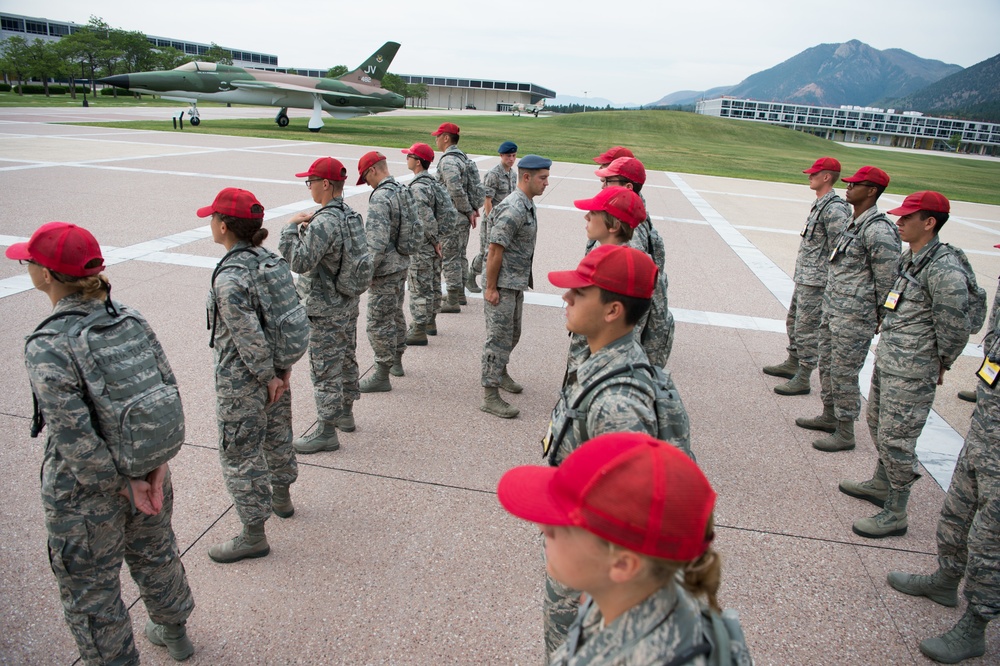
(855, 124)
(31, 28)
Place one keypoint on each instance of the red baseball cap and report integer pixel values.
(628, 168)
(611, 154)
(627, 488)
(618, 201)
(617, 268)
(235, 202)
(869, 174)
(934, 202)
(61, 247)
(327, 168)
(421, 151)
(367, 161)
(446, 128)
(824, 164)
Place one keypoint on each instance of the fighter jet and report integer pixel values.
(519, 108)
(357, 93)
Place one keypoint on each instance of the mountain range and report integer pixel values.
(854, 73)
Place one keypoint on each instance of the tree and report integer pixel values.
(46, 62)
(85, 47)
(415, 91)
(16, 60)
(136, 53)
(955, 140)
(218, 55)
(336, 71)
(167, 57)
(393, 83)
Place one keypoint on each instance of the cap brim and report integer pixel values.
(811, 170)
(18, 251)
(587, 204)
(303, 175)
(206, 211)
(604, 173)
(569, 280)
(525, 492)
(901, 211)
(437, 132)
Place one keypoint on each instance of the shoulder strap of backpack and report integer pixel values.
(578, 411)
(37, 420)
(221, 266)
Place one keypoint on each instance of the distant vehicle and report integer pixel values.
(471, 106)
(357, 93)
(519, 108)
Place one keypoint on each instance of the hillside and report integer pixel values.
(972, 93)
(835, 74)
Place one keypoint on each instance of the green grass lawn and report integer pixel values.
(12, 99)
(663, 140)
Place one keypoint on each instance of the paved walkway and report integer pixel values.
(398, 551)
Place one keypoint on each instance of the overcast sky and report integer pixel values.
(600, 49)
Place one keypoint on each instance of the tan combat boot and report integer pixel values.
(251, 542)
(378, 382)
(281, 501)
(827, 421)
(842, 439)
(432, 328)
(345, 422)
(417, 335)
(890, 521)
(450, 305)
(965, 640)
(396, 369)
(494, 404)
(508, 384)
(786, 368)
(873, 490)
(797, 385)
(940, 587)
(470, 282)
(171, 636)
(324, 438)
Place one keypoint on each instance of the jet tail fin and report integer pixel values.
(371, 71)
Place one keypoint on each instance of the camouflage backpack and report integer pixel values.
(471, 182)
(282, 316)
(445, 212)
(977, 295)
(354, 275)
(672, 424)
(409, 231)
(133, 409)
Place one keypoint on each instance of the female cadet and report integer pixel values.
(645, 564)
(253, 405)
(88, 503)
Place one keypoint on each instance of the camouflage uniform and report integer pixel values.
(651, 633)
(497, 184)
(456, 264)
(386, 322)
(424, 278)
(315, 252)
(968, 534)
(91, 528)
(620, 408)
(255, 439)
(827, 218)
(515, 227)
(860, 277)
(926, 332)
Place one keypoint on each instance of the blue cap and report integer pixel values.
(507, 147)
(534, 162)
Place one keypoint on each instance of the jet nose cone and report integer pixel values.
(119, 81)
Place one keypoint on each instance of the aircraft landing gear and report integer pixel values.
(193, 116)
(316, 120)
(282, 117)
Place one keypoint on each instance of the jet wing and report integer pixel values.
(268, 85)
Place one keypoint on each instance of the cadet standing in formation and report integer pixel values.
(253, 403)
(437, 217)
(88, 503)
(924, 329)
(497, 184)
(513, 231)
(864, 263)
(827, 218)
(318, 246)
(607, 294)
(389, 206)
(454, 173)
(968, 533)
